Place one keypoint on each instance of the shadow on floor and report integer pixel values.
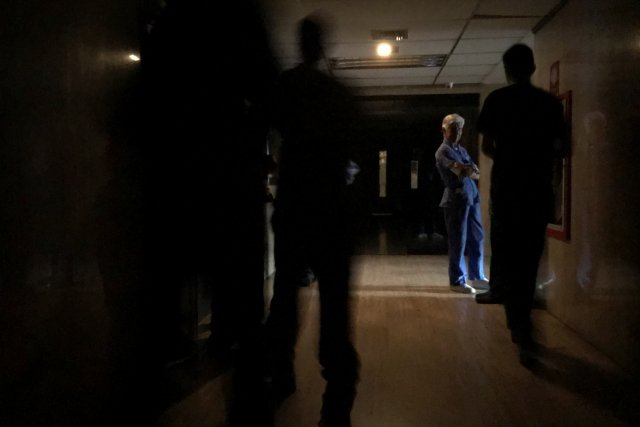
(601, 388)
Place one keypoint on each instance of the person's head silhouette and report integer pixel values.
(311, 36)
(518, 63)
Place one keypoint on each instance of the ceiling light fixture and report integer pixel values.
(134, 58)
(393, 61)
(384, 49)
(396, 35)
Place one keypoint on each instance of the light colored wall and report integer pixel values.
(596, 287)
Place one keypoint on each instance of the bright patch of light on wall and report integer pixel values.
(134, 58)
(384, 49)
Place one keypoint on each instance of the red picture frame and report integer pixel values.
(560, 226)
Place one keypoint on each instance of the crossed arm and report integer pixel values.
(463, 170)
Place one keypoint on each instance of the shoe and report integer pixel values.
(480, 285)
(529, 354)
(489, 298)
(462, 288)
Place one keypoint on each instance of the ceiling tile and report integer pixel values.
(485, 45)
(435, 30)
(519, 7)
(470, 79)
(434, 27)
(496, 76)
(465, 70)
(499, 28)
(475, 59)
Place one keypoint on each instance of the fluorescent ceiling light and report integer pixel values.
(396, 61)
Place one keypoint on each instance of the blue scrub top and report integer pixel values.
(457, 189)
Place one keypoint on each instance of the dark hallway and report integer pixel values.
(110, 259)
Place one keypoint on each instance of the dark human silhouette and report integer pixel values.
(523, 130)
(118, 216)
(313, 224)
(188, 204)
(461, 206)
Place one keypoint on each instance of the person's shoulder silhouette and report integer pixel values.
(521, 111)
(315, 115)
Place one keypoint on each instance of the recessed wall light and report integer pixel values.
(134, 58)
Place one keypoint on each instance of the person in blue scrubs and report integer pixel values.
(461, 205)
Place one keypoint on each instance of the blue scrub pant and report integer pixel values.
(464, 226)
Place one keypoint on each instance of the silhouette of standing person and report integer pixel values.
(197, 211)
(523, 130)
(313, 224)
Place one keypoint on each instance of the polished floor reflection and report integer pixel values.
(432, 357)
(392, 235)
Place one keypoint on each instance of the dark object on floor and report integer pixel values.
(489, 298)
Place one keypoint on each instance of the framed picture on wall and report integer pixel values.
(559, 227)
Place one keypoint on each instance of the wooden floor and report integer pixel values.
(431, 357)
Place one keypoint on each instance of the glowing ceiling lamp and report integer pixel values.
(384, 49)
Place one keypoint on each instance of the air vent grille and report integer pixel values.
(407, 61)
(389, 34)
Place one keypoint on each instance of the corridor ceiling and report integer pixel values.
(442, 42)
